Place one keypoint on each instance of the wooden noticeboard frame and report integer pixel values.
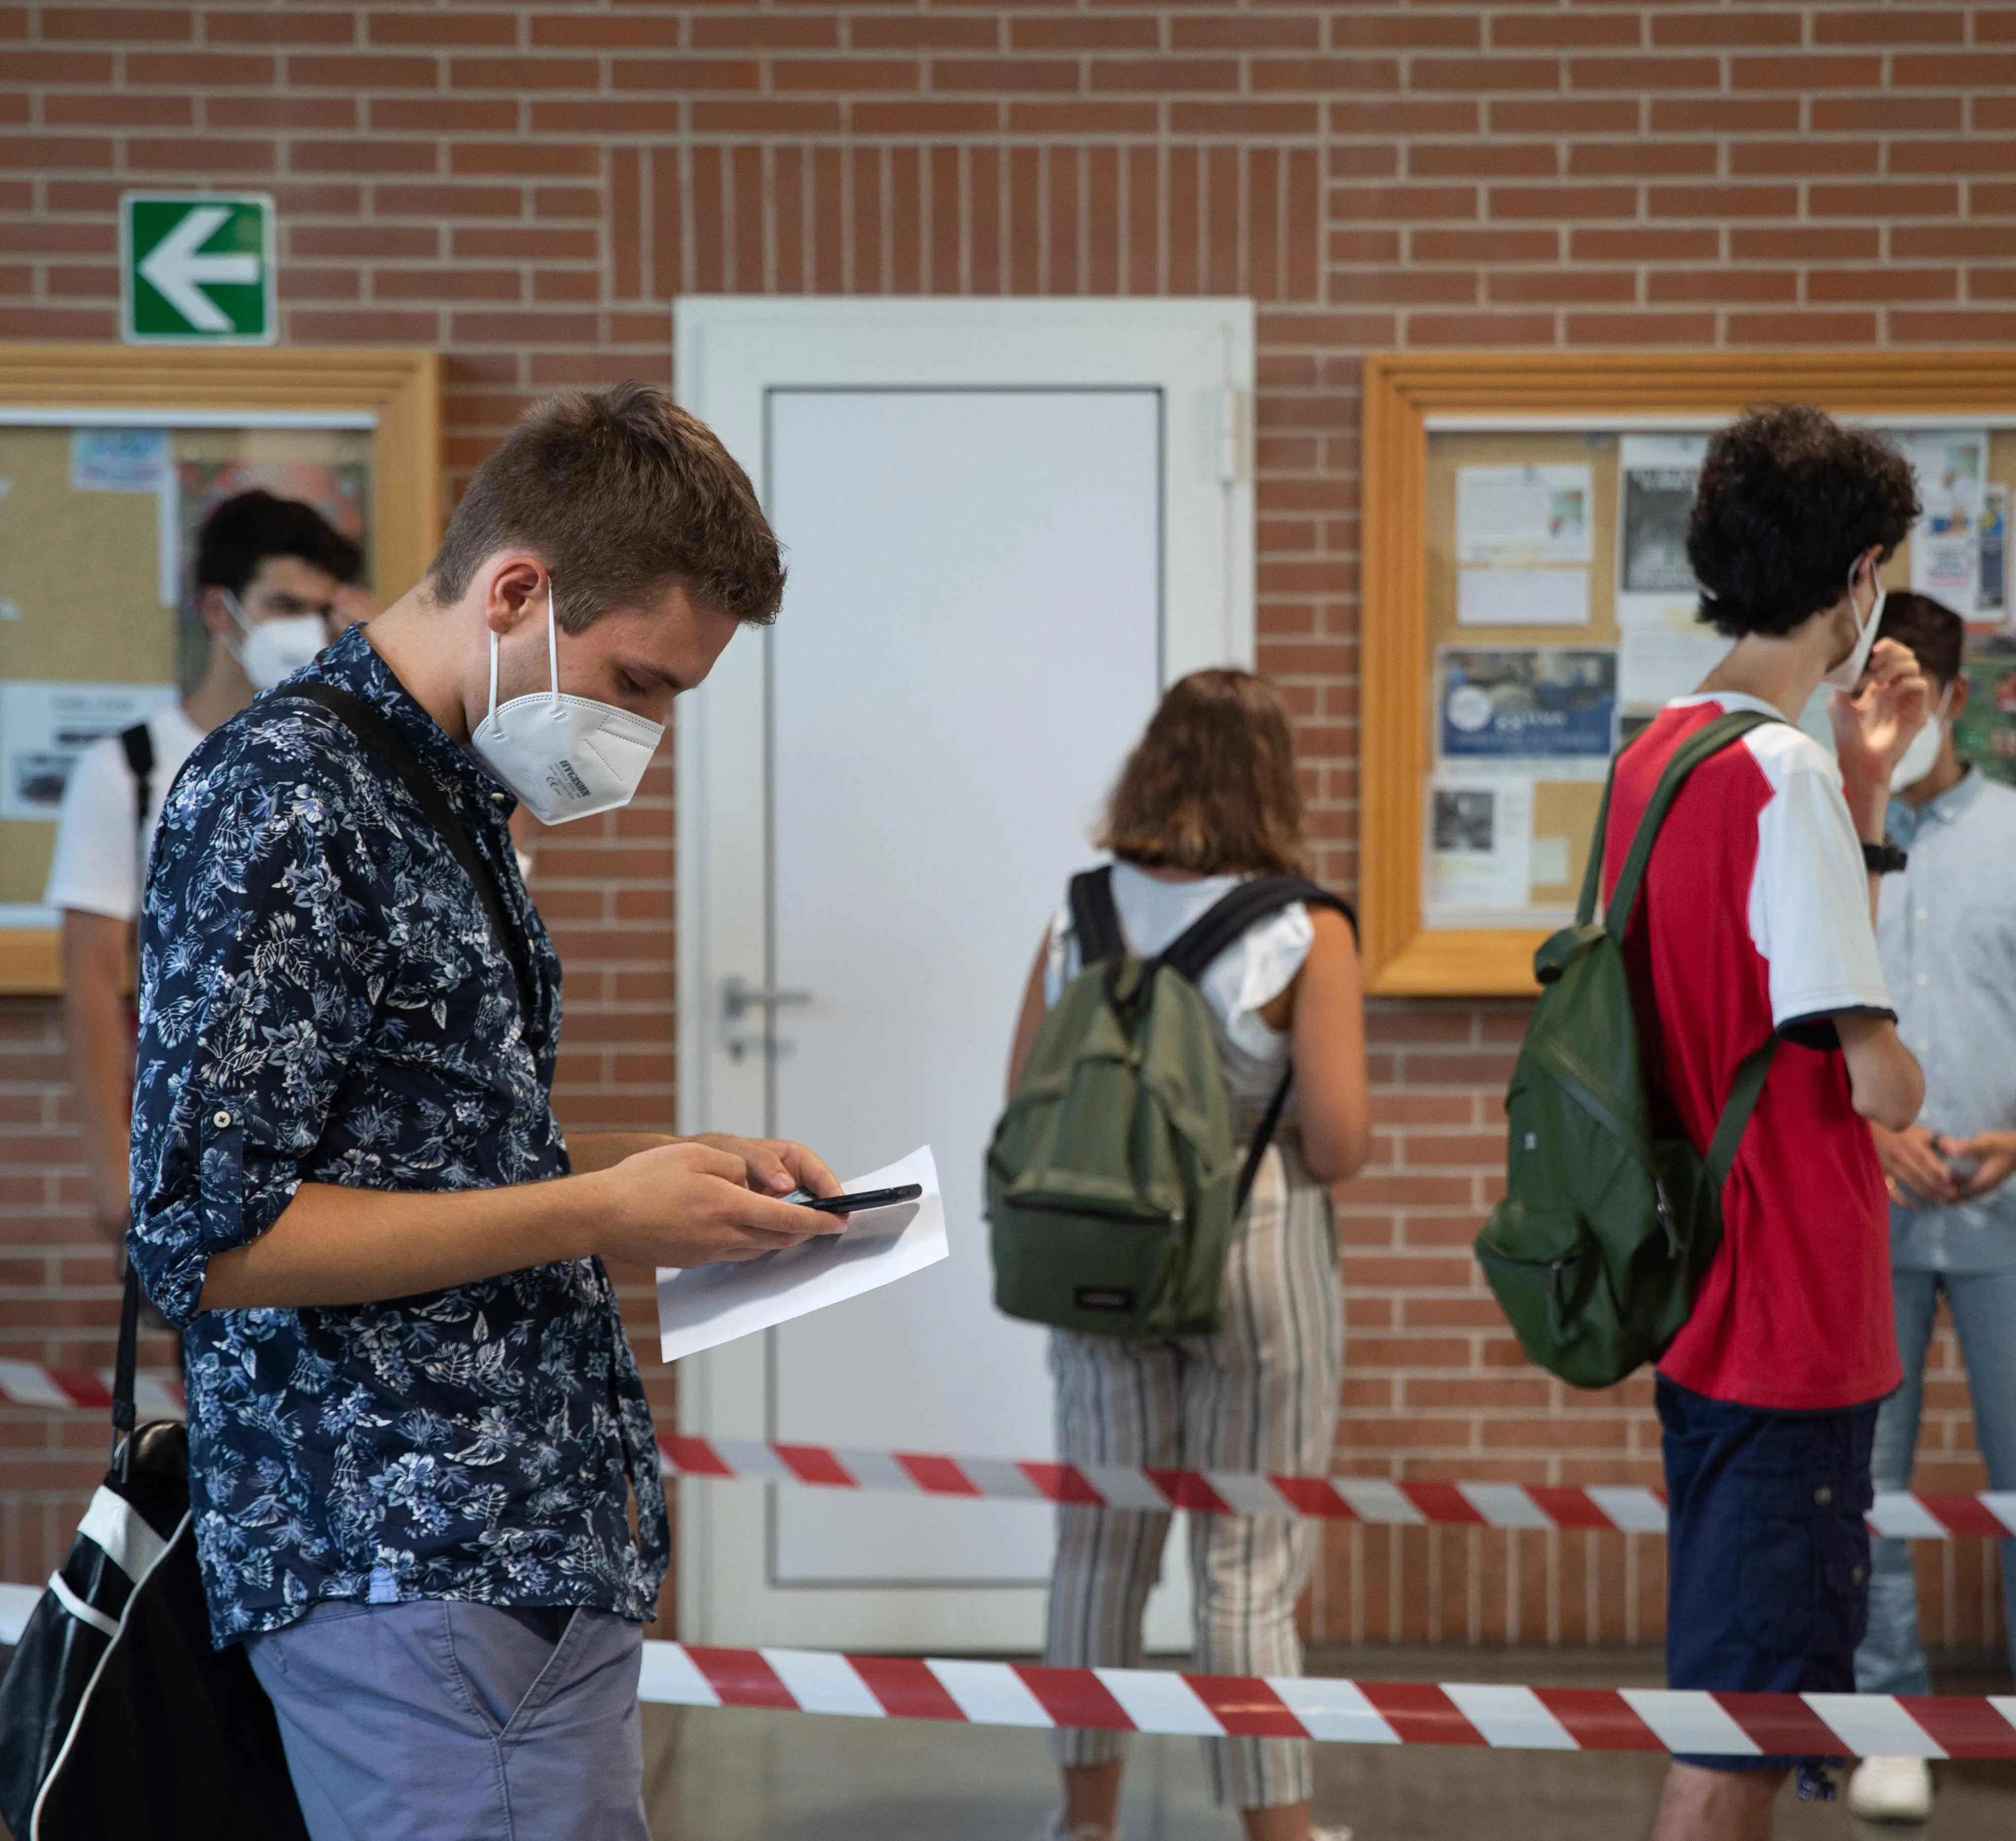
(1409, 396)
(401, 390)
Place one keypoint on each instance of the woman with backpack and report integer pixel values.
(1208, 802)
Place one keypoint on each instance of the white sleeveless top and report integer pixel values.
(1249, 975)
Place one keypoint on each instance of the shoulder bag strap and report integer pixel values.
(1736, 1111)
(1094, 918)
(1708, 739)
(1210, 935)
(383, 740)
(139, 744)
(124, 1362)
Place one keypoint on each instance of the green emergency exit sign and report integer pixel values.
(195, 269)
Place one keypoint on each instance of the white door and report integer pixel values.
(1007, 525)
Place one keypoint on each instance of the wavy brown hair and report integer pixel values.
(1211, 788)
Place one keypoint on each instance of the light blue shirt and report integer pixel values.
(1946, 929)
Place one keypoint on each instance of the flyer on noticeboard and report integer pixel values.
(1528, 709)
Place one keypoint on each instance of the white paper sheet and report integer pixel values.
(1951, 466)
(1655, 665)
(701, 1306)
(1522, 597)
(1479, 851)
(1656, 475)
(1514, 517)
(45, 726)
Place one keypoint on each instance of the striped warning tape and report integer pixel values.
(1321, 1707)
(1306, 1706)
(1632, 1508)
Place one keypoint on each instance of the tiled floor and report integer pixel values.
(743, 1776)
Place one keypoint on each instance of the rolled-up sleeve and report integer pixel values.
(258, 974)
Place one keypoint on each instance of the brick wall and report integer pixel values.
(526, 187)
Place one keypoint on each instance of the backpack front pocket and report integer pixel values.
(1077, 1266)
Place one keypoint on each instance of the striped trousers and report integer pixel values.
(1260, 1395)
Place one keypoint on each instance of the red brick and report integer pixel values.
(1644, 75)
(1801, 329)
(528, 159)
(1479, 160)
(1969, 69)
(1719, 287)
(673, 74)
(1754, 160)
(1083, 32)
(1718, 115)
(1229, 120)
(1161, 75)
(201, 154)
(33, 66)
(1559, 286)
(875, 32)
(115, 109)
(1641, 159)
(1407, 115)
(199, 70)
(1959, 325)
(1248, 31)
(436, 28)
(364, 72)
(444, 114)
(1641, 328)
(525, 74)
(1976, 154)
(1885, 284)
(1933, 242)
(357, 156)
(1492, 245)
(1562, 203)
(1722, 201)
(296, 114)
(621, 31)
(1481, 329)
(851, 76)
(1804, 243)
(1888, 26)
(1483, 76)
(1876, 200)
(1402, 203)
(1004, 76)
(295, 26)
(1564, 31)
(1746, 25)
(1557, 116)
(1808, 73)
(1886, 114)
(122, 25)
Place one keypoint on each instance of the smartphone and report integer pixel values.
(860, 1201)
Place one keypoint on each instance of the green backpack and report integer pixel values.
(1113, 1180)
(1606, 1230)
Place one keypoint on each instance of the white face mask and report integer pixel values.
(1918, 760)
(565, 757)
(1848, 674)
(274, 648)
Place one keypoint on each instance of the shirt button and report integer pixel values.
(1823, 1495)
(220, 1119)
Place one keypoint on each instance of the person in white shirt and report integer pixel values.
(274, 582)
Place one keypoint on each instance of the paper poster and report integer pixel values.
(1656, 475)
(1951, 467)
(1513, 517)
(118, 459)
(1991, 599)
(702, 1307)
(1985, 730)
(1522, 705)
(1655, 665)
(1550, 857)
(1479, 855)
(1522, 597)
(44, 727)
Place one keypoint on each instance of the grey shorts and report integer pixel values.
(438, 1720)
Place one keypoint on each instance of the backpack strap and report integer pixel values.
(1736, 1110)
(1219, 928)
(1094, 918)
(371, 729)
(137, 742)
(1710, 739)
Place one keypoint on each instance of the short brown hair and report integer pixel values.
(1211, 788)
(623, 496)
(1935, 634)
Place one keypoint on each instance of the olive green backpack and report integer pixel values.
(1113, 1181)
(1607, 1228)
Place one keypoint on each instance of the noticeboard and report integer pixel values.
(109, 460)
(1528, 606)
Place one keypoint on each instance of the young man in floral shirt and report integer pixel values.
(417, 1433)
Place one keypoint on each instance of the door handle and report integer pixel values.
(736, 996)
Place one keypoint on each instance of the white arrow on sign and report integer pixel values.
(175, 267)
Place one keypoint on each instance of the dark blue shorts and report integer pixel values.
(1767, 1553)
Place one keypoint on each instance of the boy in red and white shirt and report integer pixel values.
(1755, 917)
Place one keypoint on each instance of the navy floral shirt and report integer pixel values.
(323, 1000)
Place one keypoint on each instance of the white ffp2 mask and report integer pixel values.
(1848, 674)
(1922, 752)
(278, 648)
(565, 757)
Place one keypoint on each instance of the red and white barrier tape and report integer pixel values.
(1631, 1508)
(1305, 1707)
(1321, 1707)
(28, 1384)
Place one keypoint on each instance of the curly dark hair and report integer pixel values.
(622, 495)
(1788, 499)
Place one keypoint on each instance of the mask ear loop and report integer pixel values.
(552, 652)
(490, 714)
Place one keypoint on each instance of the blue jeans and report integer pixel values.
(440, 1720)
(1890, 1659)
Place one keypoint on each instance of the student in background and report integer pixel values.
(1754, 919)
(1945, 926)
(1209, 798)
(273, 581)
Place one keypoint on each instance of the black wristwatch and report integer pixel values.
(1884, 859)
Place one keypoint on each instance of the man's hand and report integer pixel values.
(1994, 1154)
(695, 1202)
(1914, 1167)
(775, 1165)
(1873, 727)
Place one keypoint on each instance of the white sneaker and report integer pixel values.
(1891, 1789)
(1054, 1830)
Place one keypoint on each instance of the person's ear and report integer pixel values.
(515, 588)
(213, 609)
